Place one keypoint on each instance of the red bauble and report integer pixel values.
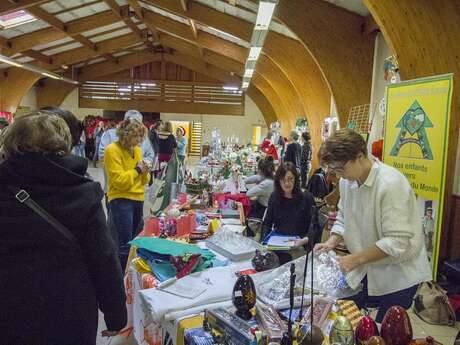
(396, 327)
(365, 329)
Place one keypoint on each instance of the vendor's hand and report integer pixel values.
(301, 242)
(323, 247)
(107, 333)
(348, 263)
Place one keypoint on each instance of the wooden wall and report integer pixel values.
(425, 34)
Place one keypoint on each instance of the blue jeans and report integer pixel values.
(125, 221)
(403, 298)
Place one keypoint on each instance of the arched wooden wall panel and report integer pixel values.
(334, 38)
(14, 86)
(426, 47)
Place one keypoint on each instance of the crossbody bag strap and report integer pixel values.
(24, 198)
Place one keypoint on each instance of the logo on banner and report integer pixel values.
(412, 130)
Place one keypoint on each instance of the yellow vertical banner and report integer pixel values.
(415, 142)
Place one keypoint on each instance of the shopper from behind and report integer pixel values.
(263, 187)
(52, 285)
(127, 175)
(167, 143)
(181, 141)
(289, 211)
(305, 159)
(293, 150)
(153, 136)
(74, 124)
(380, 222)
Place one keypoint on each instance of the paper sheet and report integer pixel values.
(187, 288)
(282, 241)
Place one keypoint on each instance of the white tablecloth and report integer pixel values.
(152, 312)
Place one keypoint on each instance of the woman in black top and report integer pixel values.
(166, 143)
(289, 211)
(293, 151)
(305, 159)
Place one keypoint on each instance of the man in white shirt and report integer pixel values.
(380, 222)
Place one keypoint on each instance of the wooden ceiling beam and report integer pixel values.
(56, 23)
(123, 13)
(105, 47)
(203, 40)
(209, 16)
(124, 62)
(139, 11)
(48, 35)
(38, 56)
(12, 6)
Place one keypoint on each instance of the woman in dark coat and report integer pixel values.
(51, 287)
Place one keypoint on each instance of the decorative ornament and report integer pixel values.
(396, 327)
(342, 331)
(365, 329)
(244, 296)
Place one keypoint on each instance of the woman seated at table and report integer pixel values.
(263, 188)
(289, 211)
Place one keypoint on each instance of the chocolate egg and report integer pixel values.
(365, 329)
(396, 327)
(341, 331)
(244, 296)
(376, 340)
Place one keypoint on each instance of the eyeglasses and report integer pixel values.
(337, 168)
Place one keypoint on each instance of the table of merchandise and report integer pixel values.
(154, 315)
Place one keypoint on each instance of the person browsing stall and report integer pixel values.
(289, 211)
(380, 222)
(263, 187)
(127, 174)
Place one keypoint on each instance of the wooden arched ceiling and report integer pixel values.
(426, 47)
(298, 94)
(291, 96)
(336, 41)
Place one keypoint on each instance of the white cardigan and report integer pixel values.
(383, 211)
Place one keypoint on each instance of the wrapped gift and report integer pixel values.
(185, 224)
(152, 227)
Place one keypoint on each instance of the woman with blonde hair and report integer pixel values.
(127, 175)
(58, 261)
(167, 143)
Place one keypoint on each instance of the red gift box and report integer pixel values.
(185, 225)
(151, 227)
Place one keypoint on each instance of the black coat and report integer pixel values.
(293, 154)
(50, 289)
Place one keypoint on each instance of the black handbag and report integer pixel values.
(24, 198)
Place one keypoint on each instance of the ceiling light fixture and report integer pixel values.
(35, 69)
(254, 53)
(264, 15)
(248, 73)
(263, 19)
(230, 88)
(9, 61)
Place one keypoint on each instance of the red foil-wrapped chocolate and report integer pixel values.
(396, 327)
(365, 329)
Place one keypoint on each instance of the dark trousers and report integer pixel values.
(125, 221)
(402, 298)
(304, 171)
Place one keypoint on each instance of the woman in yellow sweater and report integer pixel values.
(127, 175)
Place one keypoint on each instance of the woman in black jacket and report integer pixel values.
(293, 151)
(289, 211)
(51, 287)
